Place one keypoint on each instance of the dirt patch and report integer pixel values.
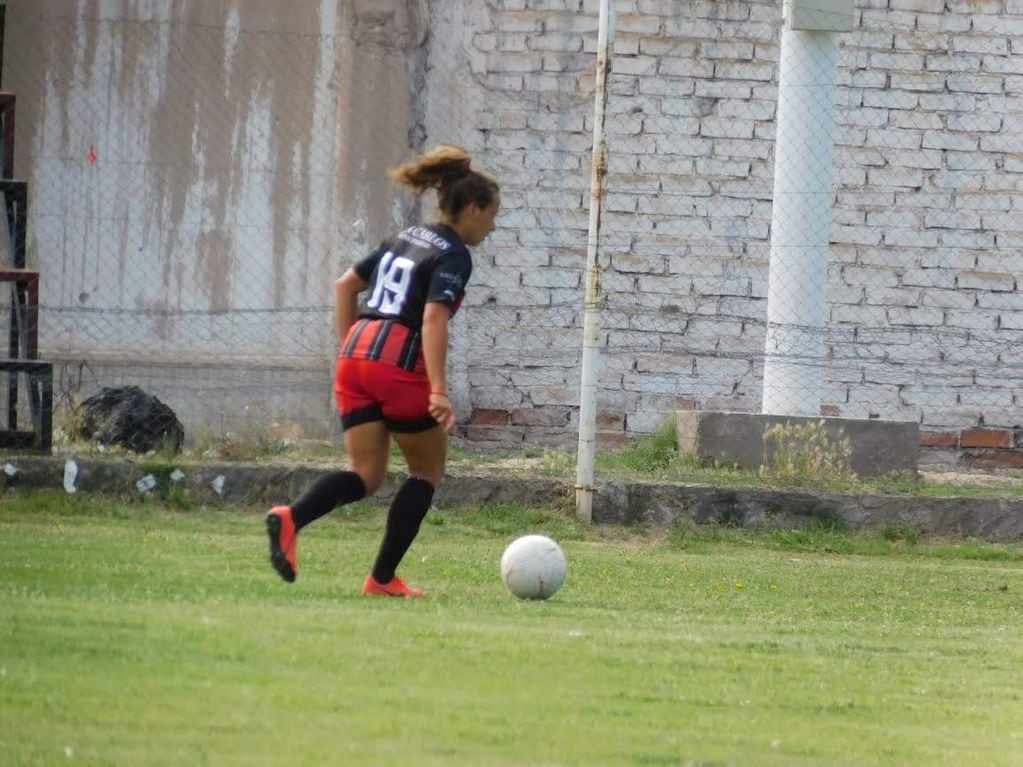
(970, 479)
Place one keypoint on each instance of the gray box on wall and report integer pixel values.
(877, 447)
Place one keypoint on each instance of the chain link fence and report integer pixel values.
(921, 296)
(199, 178)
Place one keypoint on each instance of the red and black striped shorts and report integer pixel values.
(381, 376)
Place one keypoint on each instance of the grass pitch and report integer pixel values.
(136, 633)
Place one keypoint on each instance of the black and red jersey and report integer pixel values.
(421, 264)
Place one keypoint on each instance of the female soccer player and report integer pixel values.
(391, 378)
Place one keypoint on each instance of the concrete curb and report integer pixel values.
(238, 484)
(991, 518)
(658, 505)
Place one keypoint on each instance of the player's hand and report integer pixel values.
(440, 409)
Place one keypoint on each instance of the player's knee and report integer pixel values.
(431, 474)
(372, 477)
(427, 468)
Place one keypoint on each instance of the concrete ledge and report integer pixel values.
(262, 484)
(990, 518)
(877, 447)
(657, 505)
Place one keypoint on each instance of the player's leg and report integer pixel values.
(424, 445)
(368, 444)
(425, 452)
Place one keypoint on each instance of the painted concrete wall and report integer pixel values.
(200, 172)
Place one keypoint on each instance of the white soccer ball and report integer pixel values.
(533, 567)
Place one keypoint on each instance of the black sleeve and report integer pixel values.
(364, 267)
(450, 275)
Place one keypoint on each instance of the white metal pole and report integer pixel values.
(586, 454)
(800, 223)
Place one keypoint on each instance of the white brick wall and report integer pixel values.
(926, 234)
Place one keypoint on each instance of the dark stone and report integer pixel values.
(129, 417)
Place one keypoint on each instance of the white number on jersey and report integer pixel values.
(393, 279)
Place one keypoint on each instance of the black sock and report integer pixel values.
(406, 514)
(325, 495)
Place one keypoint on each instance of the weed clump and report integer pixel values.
(803, 452)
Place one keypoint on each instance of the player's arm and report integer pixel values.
(435, 354)
(346, 301)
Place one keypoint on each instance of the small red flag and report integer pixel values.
(92, 154)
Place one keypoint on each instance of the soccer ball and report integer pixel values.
(533, 567)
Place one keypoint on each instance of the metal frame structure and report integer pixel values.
(23, 336)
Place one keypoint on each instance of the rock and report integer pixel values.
(129, 417)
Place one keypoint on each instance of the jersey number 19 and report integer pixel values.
(393, 279)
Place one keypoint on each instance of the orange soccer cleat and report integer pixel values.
(281, 530)
(395, 587)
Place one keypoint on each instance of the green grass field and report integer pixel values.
(141, 634)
